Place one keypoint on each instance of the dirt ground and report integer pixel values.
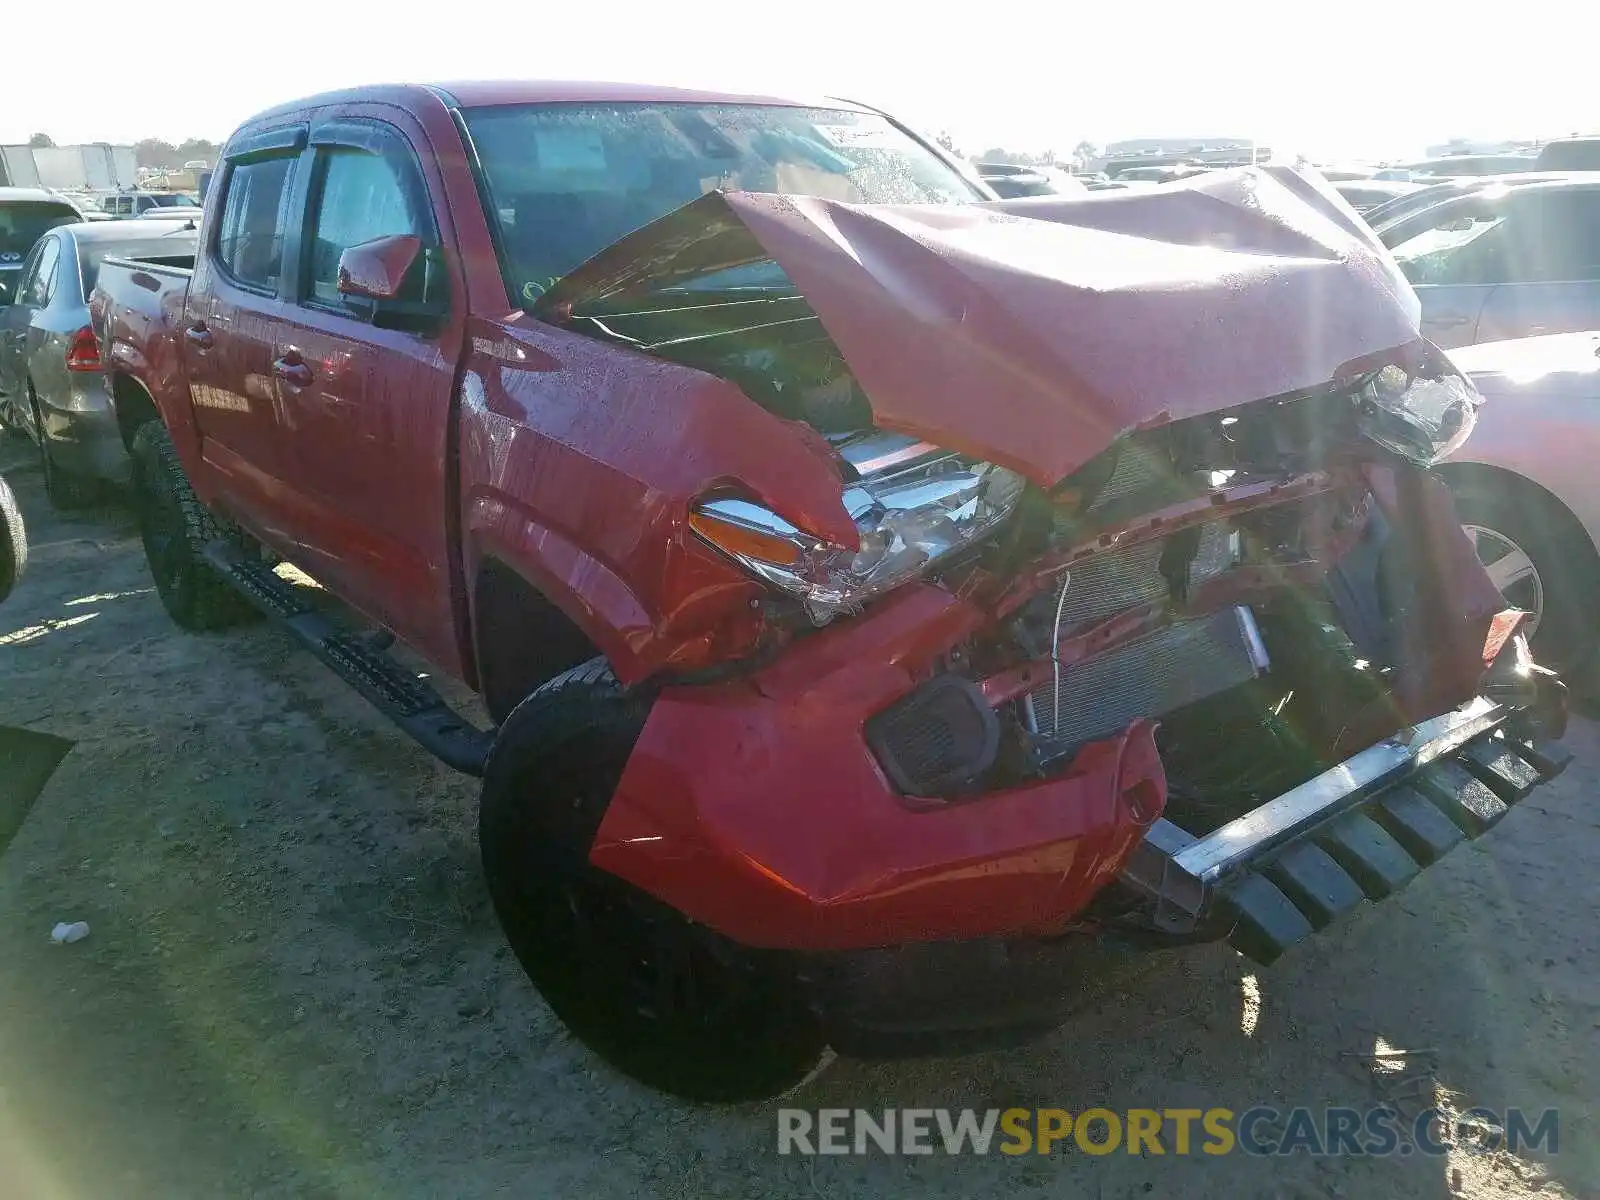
(294, 985)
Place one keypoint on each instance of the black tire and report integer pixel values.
(660, 998)
(13, 541)
(175, 526)
(1566, 569)
(64, 490)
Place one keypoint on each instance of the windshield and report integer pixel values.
(24, 222)
(172, 201)
(567, 180)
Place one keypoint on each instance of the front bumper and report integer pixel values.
(1356, 832)
(757, 808)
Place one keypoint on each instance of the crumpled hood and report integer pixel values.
(1035, 340)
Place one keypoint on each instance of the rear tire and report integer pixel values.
(662, 999)
(175, 526)
(1542, 559)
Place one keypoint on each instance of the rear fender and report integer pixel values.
(142, 348)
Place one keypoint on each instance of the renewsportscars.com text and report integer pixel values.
(1261, 1131)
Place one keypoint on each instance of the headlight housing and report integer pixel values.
(906, 525)
(1421, 419)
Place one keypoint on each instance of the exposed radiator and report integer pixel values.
(1163, 671)
(1116, 580)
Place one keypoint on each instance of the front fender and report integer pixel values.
(579, 463)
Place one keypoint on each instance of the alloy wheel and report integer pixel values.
(1512, 570)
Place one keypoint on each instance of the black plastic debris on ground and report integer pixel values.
(27, 760)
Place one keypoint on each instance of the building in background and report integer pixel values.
(92, 168)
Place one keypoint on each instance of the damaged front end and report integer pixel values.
(1119, 645)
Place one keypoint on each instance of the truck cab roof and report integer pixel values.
(488, 93)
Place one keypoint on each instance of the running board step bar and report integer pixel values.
(359, 659)
(1360, 831)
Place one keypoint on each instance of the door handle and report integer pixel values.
(198, 336)
(291, 368)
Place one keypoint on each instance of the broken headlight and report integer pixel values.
(1420, 419)
(906, 525)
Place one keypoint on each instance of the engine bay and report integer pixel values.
(1193, 580)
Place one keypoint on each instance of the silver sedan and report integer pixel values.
(1527, 486)
(52, 385)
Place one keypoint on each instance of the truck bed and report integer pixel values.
(138, 302)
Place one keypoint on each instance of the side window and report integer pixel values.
(254, 218)
(42, 283)
(1458, 246)
(364, 194)
(1558, 239)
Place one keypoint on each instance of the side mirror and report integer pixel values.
(397, 281)
(13, 541)
(377, 269)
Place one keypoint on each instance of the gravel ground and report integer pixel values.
(295, 987)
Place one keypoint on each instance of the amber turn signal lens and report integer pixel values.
(737, 539)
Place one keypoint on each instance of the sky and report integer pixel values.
(1024, 75)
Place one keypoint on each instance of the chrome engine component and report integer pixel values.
(1166, 670)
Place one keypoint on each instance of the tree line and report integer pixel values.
(154, 152)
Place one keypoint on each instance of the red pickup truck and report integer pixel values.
(881, 592)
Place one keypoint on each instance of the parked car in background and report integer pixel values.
(1569, 154)
(127, 205)
(1528, 491)
(1504, 262)
(1454, 166)
(25, 215)
(1426, 194)
(1010, 181)
(1160, 174)
(1366, 194)
(1335, 173)
(1118, 185)
(51, 383)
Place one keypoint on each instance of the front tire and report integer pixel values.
(175, 527)
(662, 999)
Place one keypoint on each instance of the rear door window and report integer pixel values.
(254, 222)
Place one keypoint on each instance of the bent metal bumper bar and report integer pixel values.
(1358, 831)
